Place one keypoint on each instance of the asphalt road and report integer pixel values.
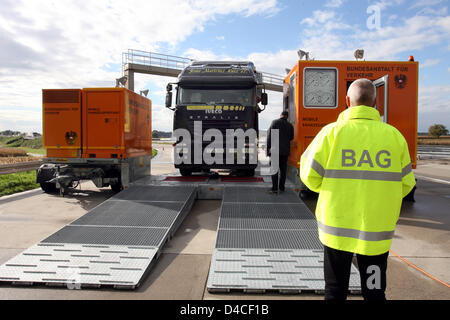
(422, 238)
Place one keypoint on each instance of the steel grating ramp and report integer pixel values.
(115, 244)
(267, 242)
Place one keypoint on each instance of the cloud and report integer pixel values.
(334, 3)
(383, 4)
(388, 43)
(415, 33)
(220, 38)
(64, 43)
(200, 54)
(434, 106)
(425, 3)
(430, 63)
(434, 98)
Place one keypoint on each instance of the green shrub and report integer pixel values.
(14, 142)
(33, 143)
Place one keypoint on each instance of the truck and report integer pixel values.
(98, 134)
(219, 95)
(314, 95)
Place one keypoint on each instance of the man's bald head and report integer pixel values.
(361, 92)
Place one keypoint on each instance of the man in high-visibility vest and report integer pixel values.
(361, 169)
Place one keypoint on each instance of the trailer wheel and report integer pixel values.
(48, 187)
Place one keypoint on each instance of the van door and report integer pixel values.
(382, 86)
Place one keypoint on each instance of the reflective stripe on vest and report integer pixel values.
(357, 234)
(360, 174)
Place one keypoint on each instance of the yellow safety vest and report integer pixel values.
(362, 169)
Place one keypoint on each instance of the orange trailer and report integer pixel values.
(314, 94)
(102, 134)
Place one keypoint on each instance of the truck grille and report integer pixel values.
(221, 125)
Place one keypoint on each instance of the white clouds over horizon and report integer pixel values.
(62, 44)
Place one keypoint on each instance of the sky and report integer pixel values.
(75, 44)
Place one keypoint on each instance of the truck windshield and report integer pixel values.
(215, 96)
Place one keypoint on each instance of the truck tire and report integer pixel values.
(48, 187)
(250, 172)
(117, 187)
(185, 172)
(245, 172)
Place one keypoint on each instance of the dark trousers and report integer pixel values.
(372, 270)
(282, 162)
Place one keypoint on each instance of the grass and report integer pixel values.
(17, 141)
(19, 147)
(37, 151)
(17, 182)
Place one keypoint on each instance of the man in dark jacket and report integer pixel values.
(285, 134)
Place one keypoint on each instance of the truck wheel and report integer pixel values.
(48, 187)
(117, 187)
(250, 172)
(245, 172)
(185, 172)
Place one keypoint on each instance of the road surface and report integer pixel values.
(422, 238)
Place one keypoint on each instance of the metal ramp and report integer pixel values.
(115, 244)
(267, 242)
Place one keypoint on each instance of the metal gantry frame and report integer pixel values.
(168, 65)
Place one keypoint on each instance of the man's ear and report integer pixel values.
(347, 101)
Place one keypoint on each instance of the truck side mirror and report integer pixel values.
(264, 99)
(169, 99)
(169, 87)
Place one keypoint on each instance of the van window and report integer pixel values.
(320, 88)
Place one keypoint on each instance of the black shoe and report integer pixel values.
(271, 191)
(282, 190)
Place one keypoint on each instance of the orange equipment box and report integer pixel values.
(62, 122)
(96, 123)
(314, 94)
(116, 123)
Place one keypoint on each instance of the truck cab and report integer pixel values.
(221, 96)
